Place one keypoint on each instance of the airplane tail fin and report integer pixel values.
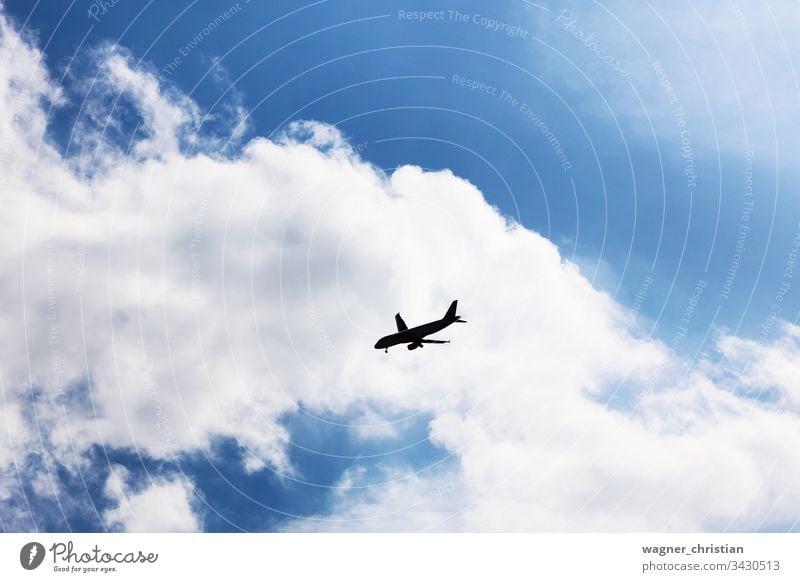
(451, 313)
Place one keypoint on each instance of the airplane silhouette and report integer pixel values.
(414, 336)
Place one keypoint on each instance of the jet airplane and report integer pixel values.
(415, 336)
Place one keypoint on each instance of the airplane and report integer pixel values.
(414, 336)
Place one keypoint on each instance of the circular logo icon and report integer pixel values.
(31, 555)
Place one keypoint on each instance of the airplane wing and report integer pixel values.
(434, 341)
(401, 325)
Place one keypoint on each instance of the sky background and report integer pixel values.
(213, 209)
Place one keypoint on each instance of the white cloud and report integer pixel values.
(163, 506)
(404, 502)
(174, 299)
(692, 458)
(163, 117)
(762, 367)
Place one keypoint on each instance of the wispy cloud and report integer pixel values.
(731, 66)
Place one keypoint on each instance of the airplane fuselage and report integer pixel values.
(412, 334)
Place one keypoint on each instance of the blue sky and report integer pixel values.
(648, 204)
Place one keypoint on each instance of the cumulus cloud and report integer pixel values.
(163, 506)
(171, 299)
(695, 457)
